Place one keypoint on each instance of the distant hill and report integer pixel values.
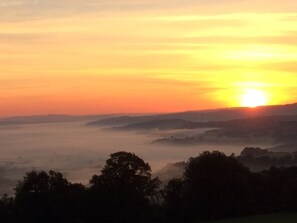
(48, 119)
(182, 118)
(163, 124)
(173, 124)
(203, 115)
(271, 125)
(277, 130)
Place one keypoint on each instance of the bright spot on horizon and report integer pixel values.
(254, 98)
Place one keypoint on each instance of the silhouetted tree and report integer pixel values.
(124, 190)
(7, 210)
(275, 189)
(216, 186)
(213, 186)
(289, 195)
(173, 201)
(268, 189)
(43, 197)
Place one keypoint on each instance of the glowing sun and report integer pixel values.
(254, 98)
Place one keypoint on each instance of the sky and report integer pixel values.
(143, 56)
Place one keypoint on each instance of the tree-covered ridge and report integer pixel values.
(213, 186)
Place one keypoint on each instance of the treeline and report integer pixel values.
(213, 186)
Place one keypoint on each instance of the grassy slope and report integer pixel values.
(273, 218)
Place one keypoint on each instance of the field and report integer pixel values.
(273, 218)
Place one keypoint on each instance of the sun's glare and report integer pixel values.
(254, 98)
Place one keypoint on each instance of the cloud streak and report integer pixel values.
(107, 54)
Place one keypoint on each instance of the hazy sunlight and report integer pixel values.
(253, 98)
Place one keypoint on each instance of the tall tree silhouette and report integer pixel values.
(216, 186)
(173, 201)
(47, 197)
(7, 209)
(124, 190)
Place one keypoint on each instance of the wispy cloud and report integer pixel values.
(14, 10)
(117, 52)
(20, 10)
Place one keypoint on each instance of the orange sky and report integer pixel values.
(90, 56)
